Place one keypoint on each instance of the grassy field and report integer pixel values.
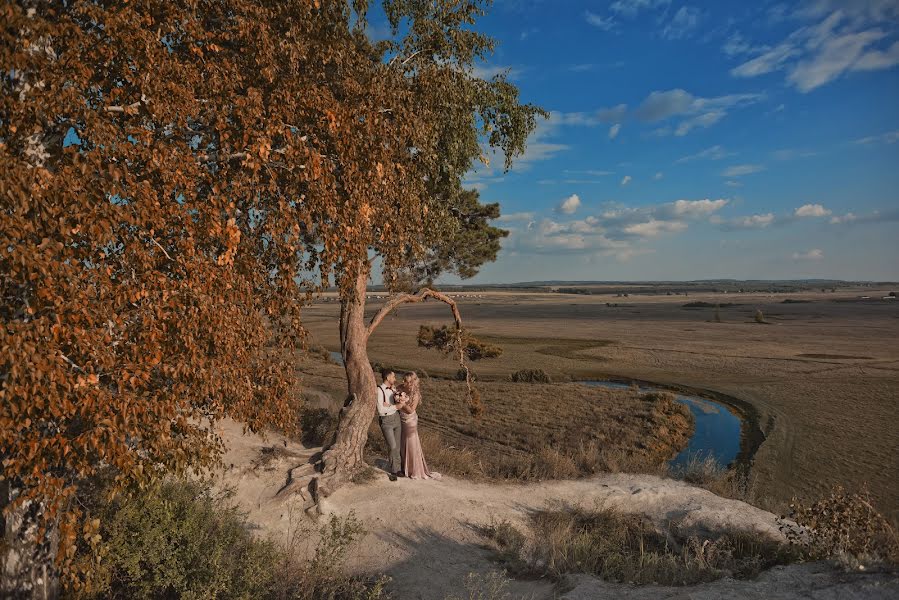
(822, 373)
(532, 431)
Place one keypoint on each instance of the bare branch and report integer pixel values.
(163, 249)
(423, 294)
(71, 362)
(129, 109)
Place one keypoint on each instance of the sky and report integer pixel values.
(697, 140)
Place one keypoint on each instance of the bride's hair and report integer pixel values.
(411, 383)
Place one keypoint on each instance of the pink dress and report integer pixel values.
(413, 459)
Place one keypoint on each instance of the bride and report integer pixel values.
(413, 459)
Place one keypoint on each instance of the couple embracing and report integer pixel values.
(399, 424)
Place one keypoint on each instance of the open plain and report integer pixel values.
(821, 369)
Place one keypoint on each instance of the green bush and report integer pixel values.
(181, 541)
(531, 376)
(446, 339)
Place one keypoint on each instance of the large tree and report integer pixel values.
(141, 143)
(410, 119)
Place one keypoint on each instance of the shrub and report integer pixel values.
(760, 317)
(506, 536)
(700, 470)
(445, 338)
(489, 586)
(363, 475)
(461, 375)
(631, 549)
(180, 540)
(531, 376)
(323, 576)
(844, 526)
(317, 425)
(321, 353)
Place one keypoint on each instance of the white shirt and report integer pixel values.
(386, 401)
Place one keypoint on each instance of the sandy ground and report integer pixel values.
(423, 534)
(823, 373)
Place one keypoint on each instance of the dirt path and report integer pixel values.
(424, 533)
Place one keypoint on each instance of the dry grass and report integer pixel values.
(826, 418)
(706, 472)
(541, 431)
(630, 549)
(533, 431)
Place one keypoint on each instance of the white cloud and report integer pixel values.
(653, 228)
(890, 137)
(693, 209)
(791, 153)
(613, 131)
(658, 176)
(569, 205)
(697, 112)
(630, 8)
(616, 231)
(704, 120)
(592, 172)
(749, 222)
(684, 22)
(732, 183)
(513, 217)
(736, 45)
(490, 71)
(661, 105)
(839, 37)
(715, 152)
(874, 60)
(814, 254)
(741, 170)
(625, 180)
(612, 113)
(811, 210)
(604, 23)
(837, 54)
(847, 218)
(768, 61)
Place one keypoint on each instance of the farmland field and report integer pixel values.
(821, 369)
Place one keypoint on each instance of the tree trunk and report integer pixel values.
(344, 456)
(27, 569)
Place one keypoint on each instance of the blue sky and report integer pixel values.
(700, 140)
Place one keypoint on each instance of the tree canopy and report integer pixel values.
(178, 177)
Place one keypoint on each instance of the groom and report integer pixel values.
(389, 419)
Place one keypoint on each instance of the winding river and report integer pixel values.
(717, 432)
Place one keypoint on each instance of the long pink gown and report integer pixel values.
(413, 459)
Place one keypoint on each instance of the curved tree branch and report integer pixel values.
(423, 294)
